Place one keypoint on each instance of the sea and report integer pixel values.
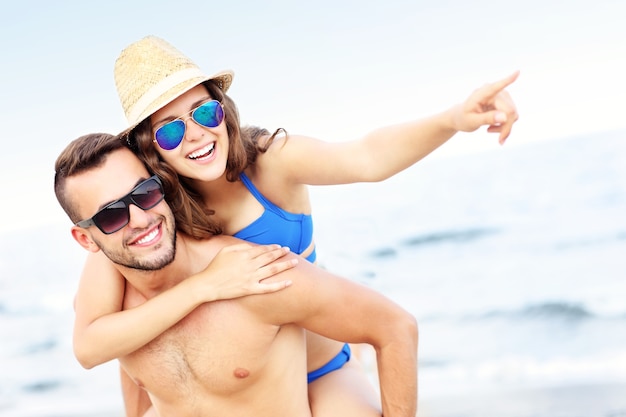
(513, 261)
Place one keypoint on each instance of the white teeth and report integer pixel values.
(202, 152)
(148, 237)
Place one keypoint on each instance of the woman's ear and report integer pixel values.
(84, 239)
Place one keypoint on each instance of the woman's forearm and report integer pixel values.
(120, 333)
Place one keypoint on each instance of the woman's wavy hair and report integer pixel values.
(192, 215)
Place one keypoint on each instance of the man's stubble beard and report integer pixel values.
(123, 258)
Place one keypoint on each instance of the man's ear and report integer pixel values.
(84, 239)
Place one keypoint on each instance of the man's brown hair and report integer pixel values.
(82, 154)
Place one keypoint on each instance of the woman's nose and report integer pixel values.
(193, 131)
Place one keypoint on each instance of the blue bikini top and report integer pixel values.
(278, 226)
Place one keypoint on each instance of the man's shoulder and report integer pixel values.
(214, 243)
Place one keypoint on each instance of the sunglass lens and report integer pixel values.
(112, 218)
(148, 194)
(210, 114)
(170, 134)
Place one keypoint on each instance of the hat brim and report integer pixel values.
(223, 79)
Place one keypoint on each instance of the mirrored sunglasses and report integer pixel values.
(171, 134)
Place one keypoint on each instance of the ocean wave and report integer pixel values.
(454, 236)
(553, 310)
(42, 386)
(381, 253)
(42, 346)
(522, 371)
(607, 239)
(461, 236)
(545, 311)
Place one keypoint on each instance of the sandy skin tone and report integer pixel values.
(245, 356)
(282, 175)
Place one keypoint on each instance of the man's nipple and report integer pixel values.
(241, 373)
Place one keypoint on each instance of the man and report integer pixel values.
(240, 357)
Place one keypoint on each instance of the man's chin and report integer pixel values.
(154, 264)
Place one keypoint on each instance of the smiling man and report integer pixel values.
(239, 357)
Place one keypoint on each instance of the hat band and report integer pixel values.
(158, 89)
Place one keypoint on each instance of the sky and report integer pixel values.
(328, 69)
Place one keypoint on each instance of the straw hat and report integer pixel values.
(151, 73)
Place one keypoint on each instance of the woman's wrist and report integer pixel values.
(199, 291)
(452, 118)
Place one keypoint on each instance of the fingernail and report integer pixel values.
(500, 117)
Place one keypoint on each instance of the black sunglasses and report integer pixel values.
(116, 215)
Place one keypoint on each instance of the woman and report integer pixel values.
(253, 185)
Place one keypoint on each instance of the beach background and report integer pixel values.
(511, 257)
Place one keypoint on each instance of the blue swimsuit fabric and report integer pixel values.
(278, 226)
(335, 363)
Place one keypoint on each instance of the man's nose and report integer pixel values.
(139, 218)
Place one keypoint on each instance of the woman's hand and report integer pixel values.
(489, 105)
(240, 269)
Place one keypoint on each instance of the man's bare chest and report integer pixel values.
(220, 348)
